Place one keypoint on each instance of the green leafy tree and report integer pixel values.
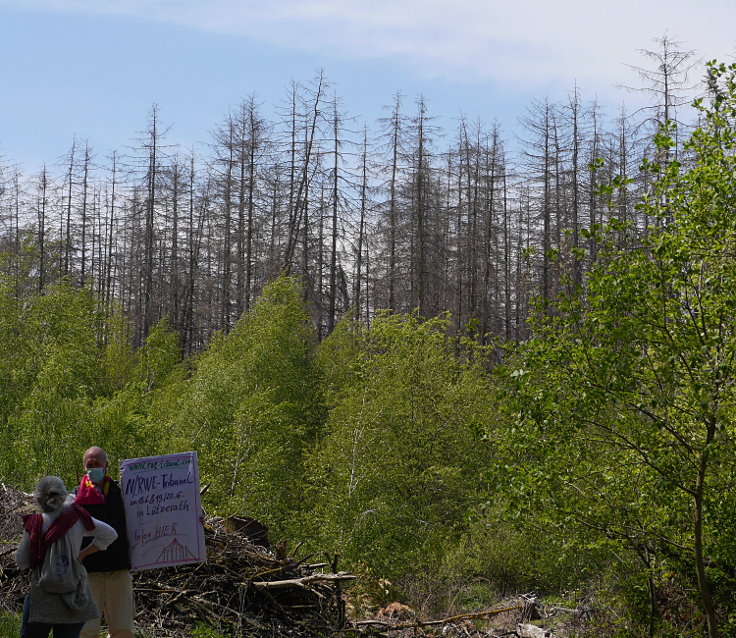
(125, 420)
(72, 380)
(400, 463)
(252, 408)
(57, 354)
(625, 397)
(14, 378)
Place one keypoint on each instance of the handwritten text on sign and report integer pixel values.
(161, 496)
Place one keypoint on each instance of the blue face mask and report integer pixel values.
(96, 474)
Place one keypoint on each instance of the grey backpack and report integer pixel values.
(60, 572)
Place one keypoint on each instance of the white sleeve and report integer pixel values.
(103, 534)
(23, 553)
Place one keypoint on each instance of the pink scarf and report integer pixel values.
(39, 543)
(89, 494)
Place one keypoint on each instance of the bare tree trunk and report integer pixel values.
(473, 177)
(334, 222)
(460, 259)
(319, 294)
(192, 268)
(148, 236)
(507, 258)
(42, 204)
(420, 273)
(153, 146)
(255, 142)
(392, 204)
(248, 143)
(546, 210)
(575, 111)
(593, 184)
(111, 231)
(491, 164)
(70, 185)
(301, 198)
(175, 277)
(85, 191)
(361, 227)
(227, 237)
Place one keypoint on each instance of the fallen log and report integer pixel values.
(480, 615)
(340, 577)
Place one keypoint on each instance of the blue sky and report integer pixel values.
(93, 68)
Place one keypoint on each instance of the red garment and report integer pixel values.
(88, 494)
(39, 543)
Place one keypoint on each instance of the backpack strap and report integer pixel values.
(40, 542)
(85, 516)
(61, 525)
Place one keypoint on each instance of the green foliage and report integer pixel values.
(126, 421)
(13, 381)
(118, 357)
(202, 630)
(512, 553)
(252, 409)
(622, 427)
(407, 406)
(339, 358)
(159, 356)
(72, 380)
(56, 354)
(399, 464)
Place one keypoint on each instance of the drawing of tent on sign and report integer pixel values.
(175, 552)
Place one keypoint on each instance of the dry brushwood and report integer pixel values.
(13, 584)
(450, 620)
(242, 589)
(231, 591)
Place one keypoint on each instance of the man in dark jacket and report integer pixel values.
(109, 572)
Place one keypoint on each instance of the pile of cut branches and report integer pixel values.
(13, 584)
(242, 589)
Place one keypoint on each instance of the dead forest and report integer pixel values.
(398, 214)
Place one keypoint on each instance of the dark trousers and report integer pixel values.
(42, 629)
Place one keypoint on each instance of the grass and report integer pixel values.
(9, 625)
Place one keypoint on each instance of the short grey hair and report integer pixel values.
(101, 452)
(50, 494)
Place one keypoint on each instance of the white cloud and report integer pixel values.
(527, 43)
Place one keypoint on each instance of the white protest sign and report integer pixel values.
(162, 510)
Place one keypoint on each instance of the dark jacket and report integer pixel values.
(117, 555)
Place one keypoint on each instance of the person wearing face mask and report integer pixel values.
(109, 572)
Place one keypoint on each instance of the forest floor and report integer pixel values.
(247, 588)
